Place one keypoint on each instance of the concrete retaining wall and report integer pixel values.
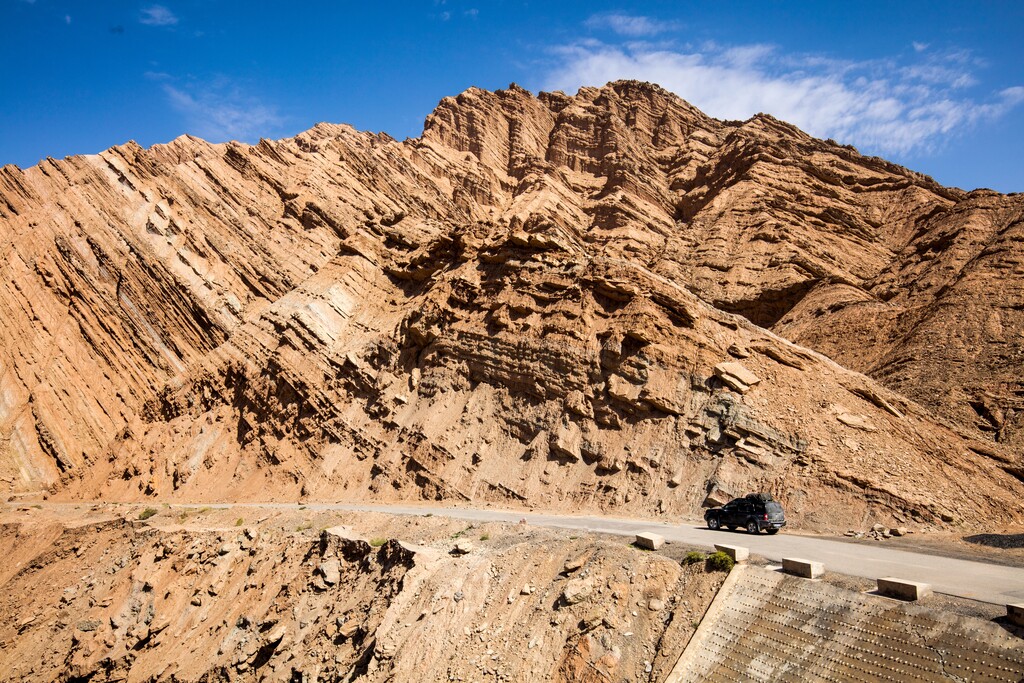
(767, 626)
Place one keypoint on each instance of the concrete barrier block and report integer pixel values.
(1015, 613)
(804, 568)
(649, 540)
(737, 553)
(903, 589)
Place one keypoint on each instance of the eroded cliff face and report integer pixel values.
(550, 301)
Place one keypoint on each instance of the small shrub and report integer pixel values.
(377, 542)
(204, 510)
(304, 526)
(147, 513)
(719, 562)
(239, 522)
(484, 537)
(693, 557)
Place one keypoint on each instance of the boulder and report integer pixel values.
(566, 441)
(622, 389)
(716, 498)
(330, 570)
(735, 376)
(856, 421)
(575, 563)
(277, 634)
(462, 548)
(738, 351)
(348, 629)
(577, 590)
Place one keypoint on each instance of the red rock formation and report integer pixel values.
(527, 304)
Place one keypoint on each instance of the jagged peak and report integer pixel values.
(484, 122)
(325, 129)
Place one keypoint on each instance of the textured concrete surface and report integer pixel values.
(766, 626)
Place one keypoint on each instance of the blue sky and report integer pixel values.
(937, 86)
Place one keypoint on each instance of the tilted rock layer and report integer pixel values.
(587, 302)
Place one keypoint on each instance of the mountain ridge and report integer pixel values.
(306, 316)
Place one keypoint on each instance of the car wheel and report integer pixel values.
(714, 523)
(773, 531)
(752, 527)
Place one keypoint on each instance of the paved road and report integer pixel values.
(991, 583)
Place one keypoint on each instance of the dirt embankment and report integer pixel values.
(202, 595)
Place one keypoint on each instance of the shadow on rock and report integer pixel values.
(997, 540)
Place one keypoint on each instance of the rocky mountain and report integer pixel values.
(605, 301)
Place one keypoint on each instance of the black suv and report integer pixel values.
(755, 511)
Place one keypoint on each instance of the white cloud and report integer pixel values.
(67, 19)
(157, 15)
(882, 105)
(630, 25)
(1012, 96)
(221, 112)
(919, 47)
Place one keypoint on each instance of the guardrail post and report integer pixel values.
(650, 541)
(805, 568)
(903, 589)
(737, 553)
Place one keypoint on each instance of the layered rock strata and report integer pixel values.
(533, 304)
